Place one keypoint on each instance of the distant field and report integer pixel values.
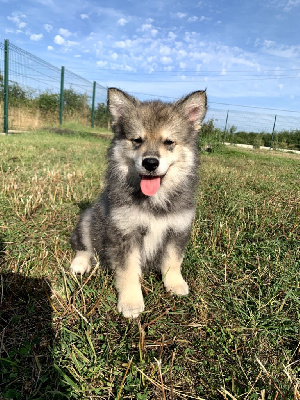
(236, 336)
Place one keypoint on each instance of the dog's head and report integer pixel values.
(156, 141)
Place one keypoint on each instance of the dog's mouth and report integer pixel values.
(150, 184)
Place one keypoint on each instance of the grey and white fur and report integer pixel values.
(143, 218)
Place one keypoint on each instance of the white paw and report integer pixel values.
(131, 306)
(176, 285)
(81, 264)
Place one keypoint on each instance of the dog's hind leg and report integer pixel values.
(81, 262)
(171, 271)
(81, 243)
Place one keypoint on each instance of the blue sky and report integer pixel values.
(243, 52)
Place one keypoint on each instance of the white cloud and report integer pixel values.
(202, 56)
(193, 19)
(50, 48)
(172, 35)
(122, 22)
(114, 56)
(66, 43)
(166, 60)
(269, 43)
(71, 43)
(180, 15)
(122, 67)
(84, 16)
(278, 71)
(202, 18)
(59, 40)
(16, 19)
(64, 32)
(35, 37)
(99, 44)
(48, 27)
(165, 50)
(22, 25)
(101, 64)
(291, 4)
(122, 44)
(181, 53)
(189, 36)
(286, 5)
(280, 50)
(146, 27)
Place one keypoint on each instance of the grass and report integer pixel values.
(236, 335)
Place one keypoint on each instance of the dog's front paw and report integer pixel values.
(176, 285)
(131, 305)
(81, 264)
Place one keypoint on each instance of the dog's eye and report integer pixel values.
(168, 142)
(138, 140)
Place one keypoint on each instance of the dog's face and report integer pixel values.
(155, 142)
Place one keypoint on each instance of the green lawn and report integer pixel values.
(234, 337)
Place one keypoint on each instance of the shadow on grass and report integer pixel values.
(2, 252)
(83, 205)
(26, 338)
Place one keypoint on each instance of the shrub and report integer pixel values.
(48, 102)
(101, 115)
(210, 138)
(74, 102)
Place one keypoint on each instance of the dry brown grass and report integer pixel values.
(234, 337)
(29, 118)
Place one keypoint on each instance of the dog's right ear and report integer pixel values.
(119, 103)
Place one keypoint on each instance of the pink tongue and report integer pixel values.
(150, 185)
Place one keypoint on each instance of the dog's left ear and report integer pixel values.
(194, 107)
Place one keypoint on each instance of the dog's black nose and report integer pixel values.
(150, 163)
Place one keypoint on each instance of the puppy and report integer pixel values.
(143, 218)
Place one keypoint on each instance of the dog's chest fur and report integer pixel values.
(150, 230)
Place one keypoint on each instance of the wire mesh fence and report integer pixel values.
(40, 94)
(34, 93)
(256, 129)
(253, 121)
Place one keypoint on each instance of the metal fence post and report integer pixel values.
(61, 100)
(226, 121)
(6, 65)
(273, 131)
(93, 105)
(225, 129)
